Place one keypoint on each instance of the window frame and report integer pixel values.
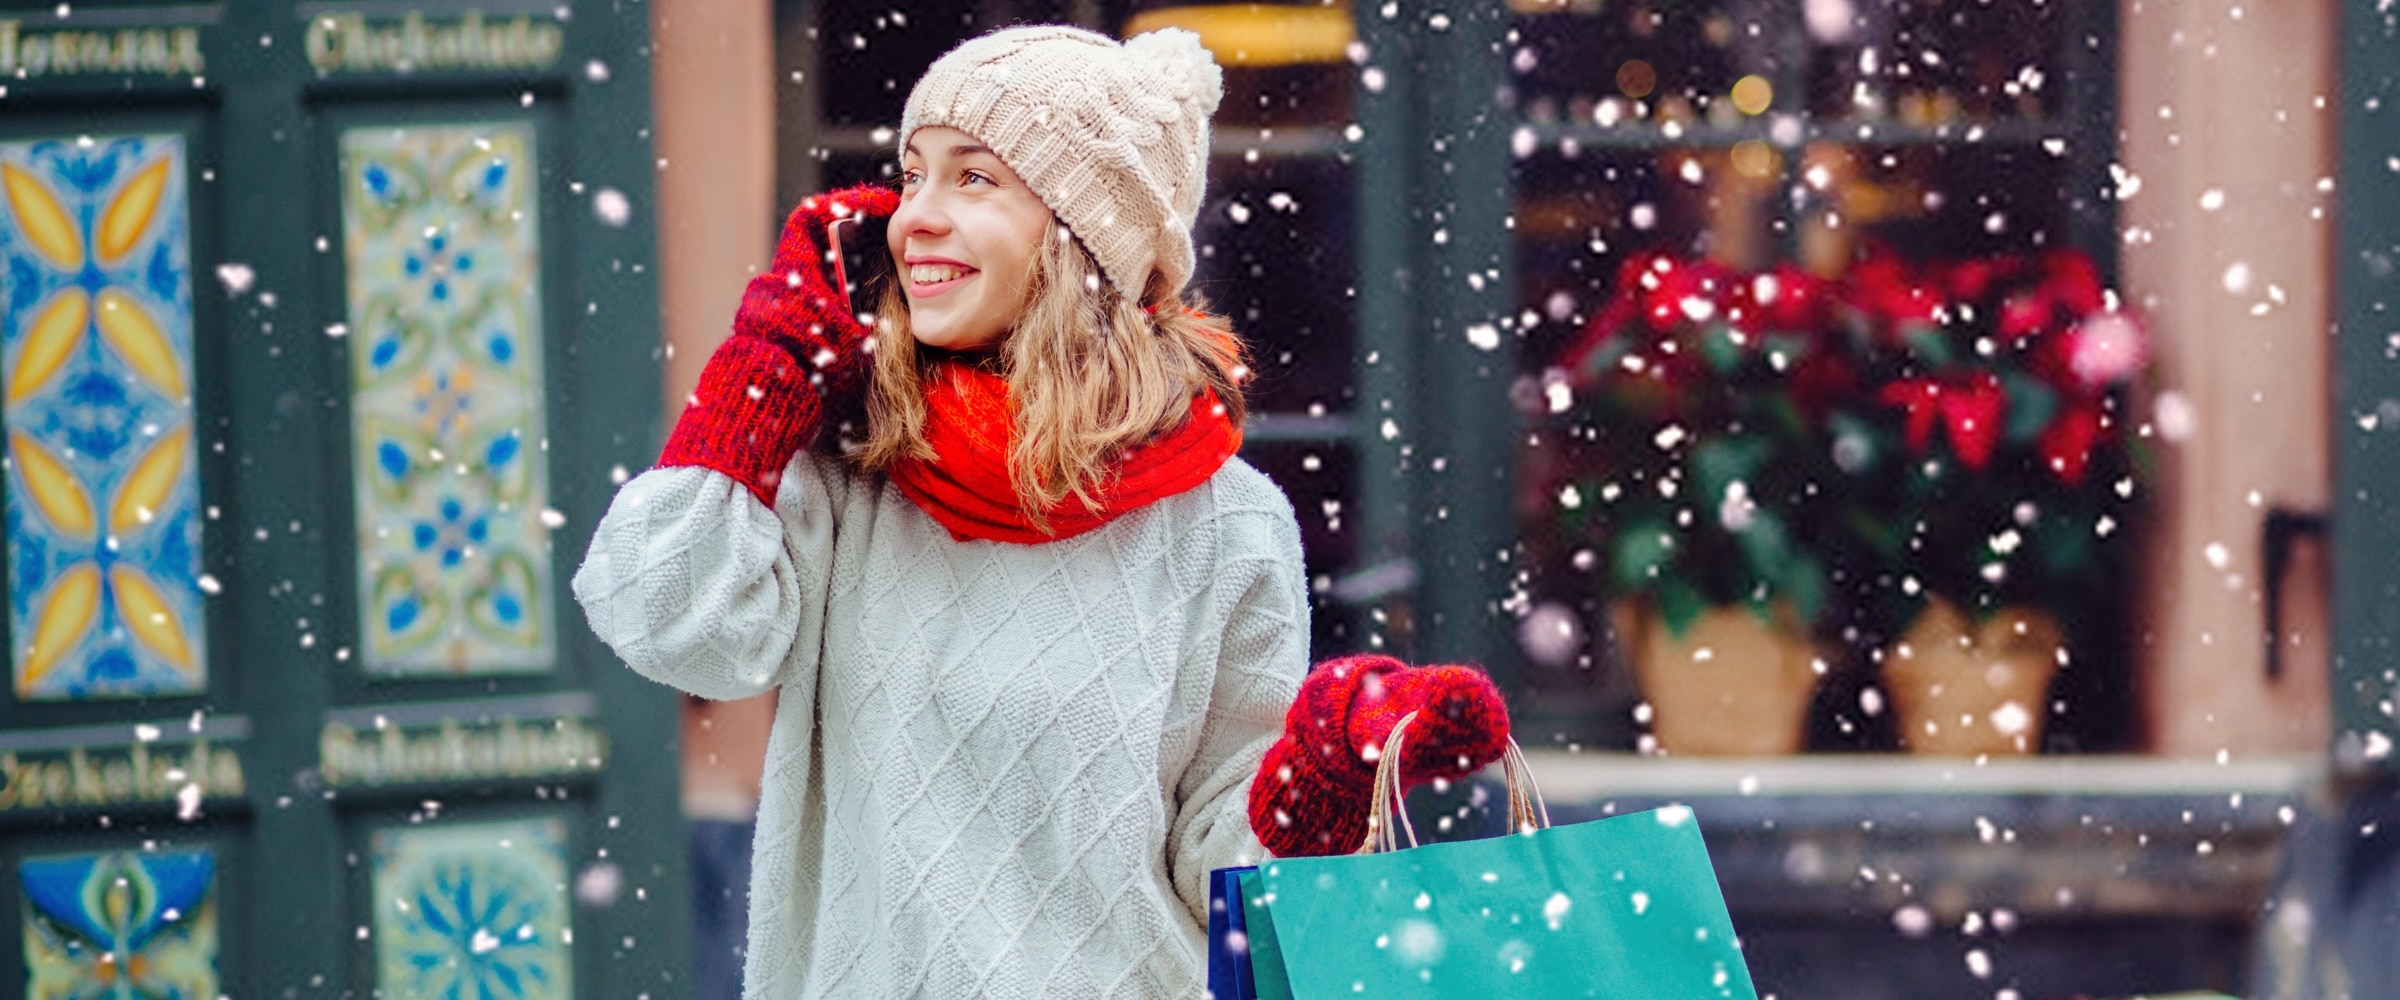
(2365, 526)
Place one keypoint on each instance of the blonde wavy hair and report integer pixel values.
(1091, 374)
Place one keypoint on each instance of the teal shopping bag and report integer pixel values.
(1621, 907)
(1267, 981)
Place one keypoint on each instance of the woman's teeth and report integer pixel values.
(933, 274)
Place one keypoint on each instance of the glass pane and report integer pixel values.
(1580, 214)
(869, 55)
(1274, 247)
(450, 487)
(1923, 62)
(1646, 61)
(1929, 202)
(1317, 477)
(1269, 96)
(847, 168)
(104, 581)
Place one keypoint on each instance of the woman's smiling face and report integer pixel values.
(965, 239)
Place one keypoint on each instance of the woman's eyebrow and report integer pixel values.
(964, 149)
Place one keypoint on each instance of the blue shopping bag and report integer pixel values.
(1228, 939)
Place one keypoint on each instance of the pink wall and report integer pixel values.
(712, 86)
(2227, 125)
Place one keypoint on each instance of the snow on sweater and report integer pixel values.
(996, 770)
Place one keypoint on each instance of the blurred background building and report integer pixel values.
(1717, 374)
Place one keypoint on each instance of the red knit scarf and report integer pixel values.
(967, 487)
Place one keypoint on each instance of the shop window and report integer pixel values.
(1735, 140)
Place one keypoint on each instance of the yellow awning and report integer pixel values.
(1258, 34)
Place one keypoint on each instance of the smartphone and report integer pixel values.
(862, 262)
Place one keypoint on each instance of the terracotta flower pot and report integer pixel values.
(1731, 685)
(1962, 687)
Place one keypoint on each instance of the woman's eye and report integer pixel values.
(973, 176)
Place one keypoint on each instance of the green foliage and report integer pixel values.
(2032, 405)
(1928, 344)
(1642, 550)
(1846, 451)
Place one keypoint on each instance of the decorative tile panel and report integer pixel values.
(103, 538)
(447, 438)
(120, 925)
(473, 911)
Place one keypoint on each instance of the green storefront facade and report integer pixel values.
(322, 325)
(327, 329)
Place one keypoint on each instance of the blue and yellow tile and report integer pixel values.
(444, 290)
(119, 925)
(96, 345)
(475, 910)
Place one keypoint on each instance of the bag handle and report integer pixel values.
(1527, 810)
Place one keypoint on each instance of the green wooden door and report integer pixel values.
(328, 330)
(2366, 397)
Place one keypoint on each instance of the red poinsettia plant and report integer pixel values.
(1986, 457)
(1696, 452)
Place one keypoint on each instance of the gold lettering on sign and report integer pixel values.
(455, 751)
(119, 776)
(348, 43)
(166, 51)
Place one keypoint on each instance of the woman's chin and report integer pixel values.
(952, 340)
(935, 340)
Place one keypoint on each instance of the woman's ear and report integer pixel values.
(1156, 293)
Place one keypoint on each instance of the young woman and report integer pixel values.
(1038, 634)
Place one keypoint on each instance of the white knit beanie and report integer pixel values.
(1113, 137)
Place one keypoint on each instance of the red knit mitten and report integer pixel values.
(1312, 792)
(795, 344)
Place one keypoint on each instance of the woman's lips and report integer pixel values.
(928, 290)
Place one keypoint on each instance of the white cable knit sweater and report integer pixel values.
(996, 770)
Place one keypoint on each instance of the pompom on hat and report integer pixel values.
(1112, 136)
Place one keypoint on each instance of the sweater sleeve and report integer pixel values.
(1261, 655)
(697, 585)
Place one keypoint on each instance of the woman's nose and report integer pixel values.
(920, 213)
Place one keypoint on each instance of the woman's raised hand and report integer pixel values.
(795, 345)
(797, 303)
